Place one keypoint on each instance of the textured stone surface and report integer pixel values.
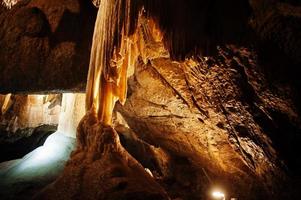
(45, 45)
(220, 113)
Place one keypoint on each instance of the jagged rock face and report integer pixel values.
(217, 113)
(48, 42)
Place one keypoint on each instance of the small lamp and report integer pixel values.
(218, 195)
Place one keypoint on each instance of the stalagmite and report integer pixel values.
(212, 110)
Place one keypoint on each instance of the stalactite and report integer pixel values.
(110, 56)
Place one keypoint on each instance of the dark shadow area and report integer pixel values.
(74, 27)
(199, 26)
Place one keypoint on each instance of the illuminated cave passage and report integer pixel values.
(40, 134)
(150, 99)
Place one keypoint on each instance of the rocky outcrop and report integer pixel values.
(45, 45)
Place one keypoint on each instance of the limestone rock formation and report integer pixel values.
(216, 113)
(101, 168)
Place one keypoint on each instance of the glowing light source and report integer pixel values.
(6, 104)
(9, 3)
(218, 195)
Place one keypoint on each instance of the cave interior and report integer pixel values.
(150, 99)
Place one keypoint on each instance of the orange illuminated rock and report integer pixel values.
(111, 56)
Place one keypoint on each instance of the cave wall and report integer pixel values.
(220, 114)
(48, 42)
